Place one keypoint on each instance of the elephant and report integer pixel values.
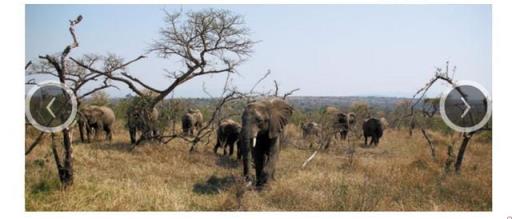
(146, 123)
(310, 129)
(92, 119)
(192, 120)
(341, 122)
(372, 127)
(384, 123)
(228, 135)
(345, 123)
(263, 121)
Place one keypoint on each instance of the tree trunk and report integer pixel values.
(64, 169)
(432, 147)
(462, 150)
(67, 179)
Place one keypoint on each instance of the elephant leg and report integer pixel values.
(231, 148)
(216, 147)
(81, 129)
(133, 134)
(365, 140)
(259, 161)
(89, 132)
(108, 132)
(97, 130)
(155, 133)
(238, 153)
(272, 157)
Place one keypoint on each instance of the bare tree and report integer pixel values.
(431, 108)
(58, 67)
(206, 42)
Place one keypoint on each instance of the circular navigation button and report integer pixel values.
(50, 106)
(466, 107)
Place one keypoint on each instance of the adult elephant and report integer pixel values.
(192, 120)
(345, 122)
(145, 121)
(341, 122)
(310, 129)
(227, 136)
(263, 121)
(384, 122)
(93, 119)
(372, 128)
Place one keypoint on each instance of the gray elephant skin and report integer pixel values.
(93, 119)
(310, 129)
(191, 121)
(228, 134)
(372, 128)
(263, 121)
(341, 121)
(137, 121)
(345, 122)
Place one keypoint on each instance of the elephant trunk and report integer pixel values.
(247, 142)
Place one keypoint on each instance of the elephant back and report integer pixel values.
(108, 115)
(154, 115)
(373, 125)
(187, 120)
(230, 126)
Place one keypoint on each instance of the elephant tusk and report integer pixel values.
(253, 142)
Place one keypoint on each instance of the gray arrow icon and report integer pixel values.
(468, 107)
(48, 107)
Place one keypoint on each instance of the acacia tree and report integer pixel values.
(430, 107)
(75, 77)
(207, 42)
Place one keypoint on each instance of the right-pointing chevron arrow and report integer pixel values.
(468, 107)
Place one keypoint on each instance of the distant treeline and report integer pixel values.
(313, 103)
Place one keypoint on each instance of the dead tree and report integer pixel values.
(419, 97)
(207, 42)
(60, 70)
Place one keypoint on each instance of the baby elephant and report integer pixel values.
(372, 128)
(227, 136)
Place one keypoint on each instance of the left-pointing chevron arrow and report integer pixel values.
(48, 107)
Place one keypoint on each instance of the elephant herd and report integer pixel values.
(257, 138)
(342, 123)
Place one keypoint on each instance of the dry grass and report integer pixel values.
(399, 174)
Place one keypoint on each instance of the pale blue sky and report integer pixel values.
(325, 50)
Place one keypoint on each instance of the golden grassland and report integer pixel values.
(398, 175)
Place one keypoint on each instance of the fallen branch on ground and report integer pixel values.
(309, 159)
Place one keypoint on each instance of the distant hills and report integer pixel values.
(308, 102)
(314, 102)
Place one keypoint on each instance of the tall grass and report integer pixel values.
(398, 175)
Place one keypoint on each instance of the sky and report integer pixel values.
(325, 50)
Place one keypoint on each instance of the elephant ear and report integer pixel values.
(352, 118)
(342, 118)
(96, 113)
(279, 112)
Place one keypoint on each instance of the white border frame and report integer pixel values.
(13, 160)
